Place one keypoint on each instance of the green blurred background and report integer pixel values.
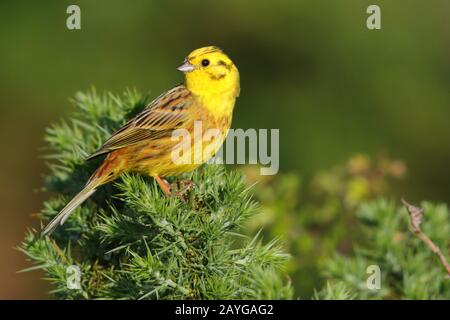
(310, 68)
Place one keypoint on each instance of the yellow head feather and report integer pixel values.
(212, 73)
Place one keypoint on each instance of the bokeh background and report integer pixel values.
(310, 68)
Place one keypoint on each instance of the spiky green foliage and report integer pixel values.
(317, 218)
(409, 269)
(132, 242)
(337, 291)
(335, 229)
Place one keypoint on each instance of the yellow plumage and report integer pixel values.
(148, 142)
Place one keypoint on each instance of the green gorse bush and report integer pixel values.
(129, 241)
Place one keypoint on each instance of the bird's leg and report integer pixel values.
(165, 186)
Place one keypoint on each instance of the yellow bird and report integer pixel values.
(150, 142)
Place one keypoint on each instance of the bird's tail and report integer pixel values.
(62, 216)
(107, 172)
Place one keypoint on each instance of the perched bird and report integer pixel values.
(146, 144)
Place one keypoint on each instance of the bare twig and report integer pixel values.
(416, 215)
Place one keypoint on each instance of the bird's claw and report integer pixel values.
(181, 189)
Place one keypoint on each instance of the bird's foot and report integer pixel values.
(182, 188)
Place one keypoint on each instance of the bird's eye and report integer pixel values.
(205, 62)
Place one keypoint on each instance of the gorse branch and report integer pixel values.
(416, 215)
(408, 268)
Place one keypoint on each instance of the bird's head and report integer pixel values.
(210, 71)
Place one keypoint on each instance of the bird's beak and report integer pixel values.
(186, 67)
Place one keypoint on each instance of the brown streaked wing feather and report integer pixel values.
(163, 115)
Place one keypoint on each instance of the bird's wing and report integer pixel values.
(163, 115)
